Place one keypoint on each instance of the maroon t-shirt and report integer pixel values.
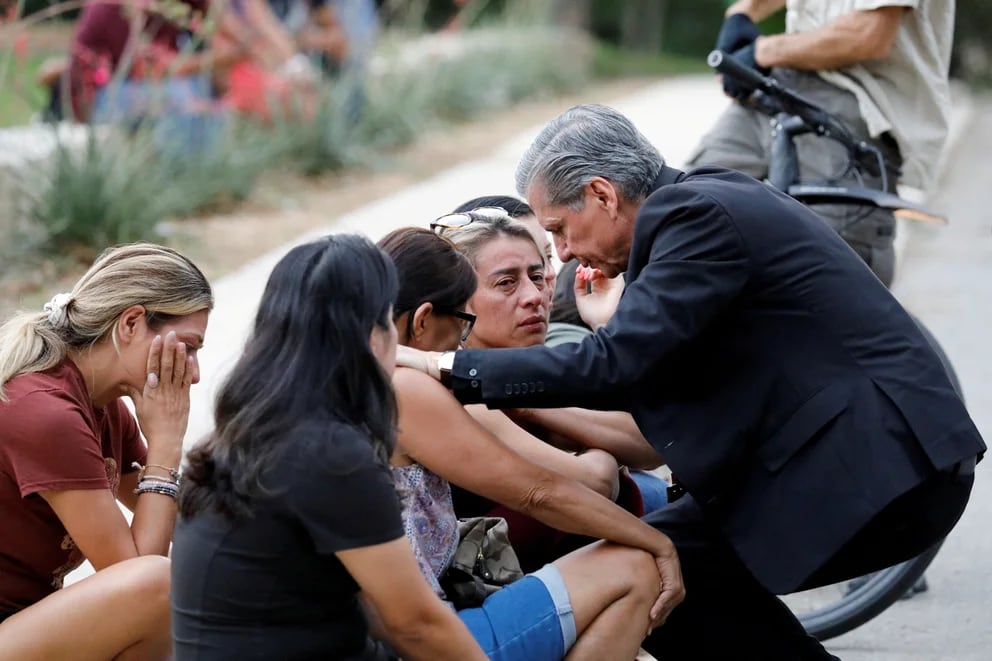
(102, 33)
(52, 438)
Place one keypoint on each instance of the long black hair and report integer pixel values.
(308, 359)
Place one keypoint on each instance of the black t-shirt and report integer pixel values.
(270, 586)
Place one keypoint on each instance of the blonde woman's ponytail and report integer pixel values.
(28, 343)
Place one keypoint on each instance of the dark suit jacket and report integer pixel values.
(787, 389)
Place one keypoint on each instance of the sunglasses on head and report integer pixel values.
(453, 221)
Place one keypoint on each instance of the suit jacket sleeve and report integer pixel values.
(688, 263)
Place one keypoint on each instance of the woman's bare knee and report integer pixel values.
(605, 470)
(603, 573)
(642, 575)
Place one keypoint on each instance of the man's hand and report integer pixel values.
(736, 88)
(672, 588)
(422, 361)
(737, 31)
(596, 296)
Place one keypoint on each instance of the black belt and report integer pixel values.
(963, 467)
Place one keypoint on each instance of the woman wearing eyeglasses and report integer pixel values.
(595, 603)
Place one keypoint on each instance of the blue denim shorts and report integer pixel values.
(529, 620)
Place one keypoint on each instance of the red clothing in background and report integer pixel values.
(101, 39)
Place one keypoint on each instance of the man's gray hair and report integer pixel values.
(589, 141)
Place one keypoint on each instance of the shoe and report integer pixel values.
(918, 587)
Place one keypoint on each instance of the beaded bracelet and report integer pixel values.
(163, 488)
(163, 492)
(173, 472)
(159, 483)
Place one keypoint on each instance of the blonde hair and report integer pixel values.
(471, 238)
(165, 282)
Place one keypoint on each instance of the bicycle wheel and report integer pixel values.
(832, 610)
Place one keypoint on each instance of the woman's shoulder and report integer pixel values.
(406, 377)
(60, 382)
(424, 392)
(42, 400)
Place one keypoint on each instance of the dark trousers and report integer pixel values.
(727, 614)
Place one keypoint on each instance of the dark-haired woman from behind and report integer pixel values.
(287, 511)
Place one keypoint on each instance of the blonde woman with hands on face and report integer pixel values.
(70, 451)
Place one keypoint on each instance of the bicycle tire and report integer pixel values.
(885, 587)
(879, 591)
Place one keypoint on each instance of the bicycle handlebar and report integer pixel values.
(787, 100)
(771, 98)
(726, 64)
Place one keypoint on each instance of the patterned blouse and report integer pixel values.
(428, 519)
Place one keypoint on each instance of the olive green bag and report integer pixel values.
(484, 562)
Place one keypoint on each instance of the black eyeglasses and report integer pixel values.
(453, 221)
(467, 319)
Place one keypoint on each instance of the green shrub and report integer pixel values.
(117, 187)
(324, 143)
(102, 194)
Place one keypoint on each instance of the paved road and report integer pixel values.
(946, 280)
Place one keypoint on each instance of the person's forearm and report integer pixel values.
(598, 476)
(153, 524)
(155, 514)
(271, 44)
(570, 507)
(861, 36)
(612, 431)
(757, 10)
(439, 635)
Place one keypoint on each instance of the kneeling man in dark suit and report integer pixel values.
(811, 425)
